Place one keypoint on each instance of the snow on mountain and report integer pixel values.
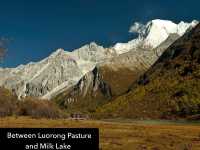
(153, 34)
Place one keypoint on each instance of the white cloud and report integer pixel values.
(137, 28)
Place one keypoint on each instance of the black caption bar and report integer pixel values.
(49, 138)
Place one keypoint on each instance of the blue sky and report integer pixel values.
(38, 27)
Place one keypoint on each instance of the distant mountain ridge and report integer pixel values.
(62, 70)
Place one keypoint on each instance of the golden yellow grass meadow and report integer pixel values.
(123, 136)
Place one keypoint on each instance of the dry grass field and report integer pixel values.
(124, 136)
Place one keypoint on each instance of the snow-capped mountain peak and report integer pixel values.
(153, 33)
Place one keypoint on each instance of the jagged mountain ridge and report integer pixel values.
(62, 69)
(111, 78)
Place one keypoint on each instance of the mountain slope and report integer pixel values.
(169, 89)
(111, 78)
